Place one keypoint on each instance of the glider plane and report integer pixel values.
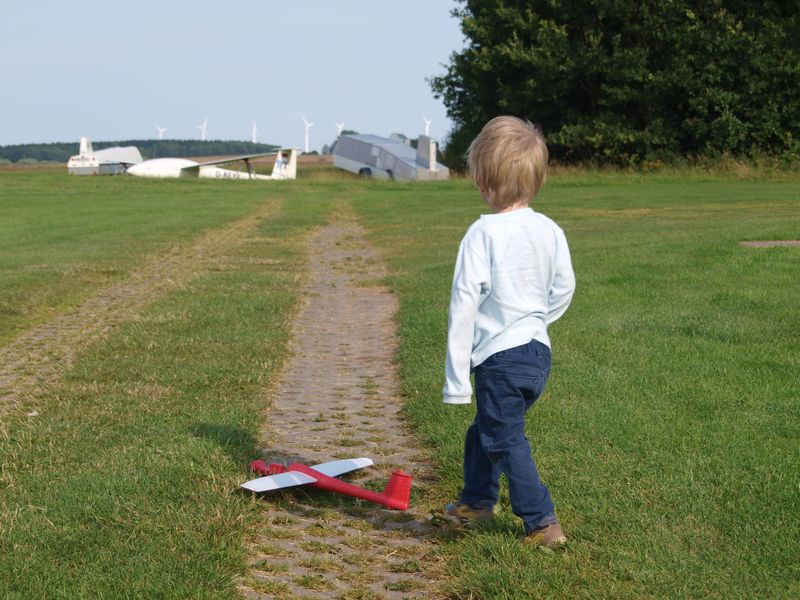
(285, 167)
(323, 476)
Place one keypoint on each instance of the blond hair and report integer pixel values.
(508, 160)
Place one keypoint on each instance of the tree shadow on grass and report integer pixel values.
(238, 443)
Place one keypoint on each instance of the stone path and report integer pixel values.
(338, 397)
(36, 360)
(771, 243)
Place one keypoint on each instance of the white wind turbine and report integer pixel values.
(427, 125)
(203, 130)
(339, 127)
(254, 132)
(308, 126)
(161, 131)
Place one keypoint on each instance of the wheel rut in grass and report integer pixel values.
(35, 361)
(338, 397)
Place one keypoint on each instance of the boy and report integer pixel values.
(513, 277)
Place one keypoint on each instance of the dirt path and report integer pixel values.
(36, 360)
(338, 397)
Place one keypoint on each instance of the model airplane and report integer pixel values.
(323, 476)
(285, 167)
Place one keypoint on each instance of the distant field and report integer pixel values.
(63, 237)
(668, 435)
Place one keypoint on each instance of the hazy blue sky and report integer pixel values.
(112, 70)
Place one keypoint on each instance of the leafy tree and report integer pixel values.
(622, 81)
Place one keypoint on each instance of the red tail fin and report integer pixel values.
(398, 490)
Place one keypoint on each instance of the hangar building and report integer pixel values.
(389, 158)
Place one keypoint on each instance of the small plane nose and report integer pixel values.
(133, 170)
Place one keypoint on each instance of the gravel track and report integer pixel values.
(36, 360)
(338, 397)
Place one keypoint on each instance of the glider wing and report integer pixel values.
(229, 159)
(339, 467)
(292, 478)
(276, 482)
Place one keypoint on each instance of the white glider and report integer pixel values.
(333, 468)
(285, 167)
(396, 494)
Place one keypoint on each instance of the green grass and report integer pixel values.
(668, 435)
(123, 485)
(61, 237)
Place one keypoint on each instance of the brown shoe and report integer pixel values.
(548, 536)
(461, 514)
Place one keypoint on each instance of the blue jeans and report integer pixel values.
(506, 386)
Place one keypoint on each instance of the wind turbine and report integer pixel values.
(308, 126)
(254, 132)
(427, 125)
(161, 131)
(203, 130)
(339, 126)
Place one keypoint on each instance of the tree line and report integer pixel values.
(628, 81)
(60, 152)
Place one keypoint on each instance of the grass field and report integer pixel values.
(669, 434)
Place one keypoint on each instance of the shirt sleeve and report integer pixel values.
(563, 288)
(470, 279)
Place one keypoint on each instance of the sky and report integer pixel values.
(114, 70)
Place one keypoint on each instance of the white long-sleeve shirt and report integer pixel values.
(513, 277)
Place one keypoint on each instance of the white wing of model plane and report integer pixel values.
(293, 478)
(334, 468)
(276, 482)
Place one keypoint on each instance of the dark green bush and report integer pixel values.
(625, 81)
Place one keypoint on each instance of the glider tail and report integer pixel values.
(396, 494)
(285, 165)
(398, 490)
